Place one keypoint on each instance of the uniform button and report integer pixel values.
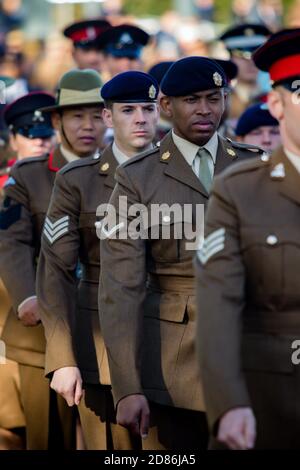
(166, 218)
(272, 240)
(265, 157)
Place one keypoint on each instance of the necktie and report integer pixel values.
(201, 168)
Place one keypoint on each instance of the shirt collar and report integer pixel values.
(294, 159)
(189, 150)
(119, 155)
(69, 156)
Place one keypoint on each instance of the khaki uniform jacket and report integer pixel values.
(149, 330)
(70, 311)
(248, 289)
(22, 214)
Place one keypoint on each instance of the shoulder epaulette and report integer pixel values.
(242, 146)
(87, 161)
(249, 164)
(27, 160)
(141, 156)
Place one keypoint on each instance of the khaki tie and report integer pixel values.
(201, 167)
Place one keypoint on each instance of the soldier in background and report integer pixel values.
(248, 283)
(122, 47)
(77, 117)
(257, 126)
(84, 35)
(70, 312)
(241, 41)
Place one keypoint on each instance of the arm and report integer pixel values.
(57, 286)
(121, 296)
(17, 251)
(221, 297)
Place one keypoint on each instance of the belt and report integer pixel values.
(185, 285)
(90, 273)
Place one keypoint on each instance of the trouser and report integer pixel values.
(98, 421)
(50, 423)
(176, 429)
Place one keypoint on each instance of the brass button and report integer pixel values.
(105, 167)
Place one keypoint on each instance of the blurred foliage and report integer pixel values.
(157, 7)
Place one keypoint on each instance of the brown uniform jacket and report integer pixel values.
(70, 311)
(149, 330)
(22, 214)
(248, 291)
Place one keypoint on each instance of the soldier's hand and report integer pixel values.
(237, 429)
(68, 383)
(28, 312)
(133, 413)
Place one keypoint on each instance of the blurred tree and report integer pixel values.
(147, 7)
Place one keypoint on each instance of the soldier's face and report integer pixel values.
(196, 117)
(266, 137)
(26, 147)
(83, 127)
(134, 125)
(88, 59)
(115, 65)
(284, 105)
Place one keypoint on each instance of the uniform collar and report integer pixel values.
(294, 159)
(69, 156)
(189, 150)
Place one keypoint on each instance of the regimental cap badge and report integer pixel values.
(231, 152)
(217, 79)
(152, 92)
(105, 167)
(166, 155)
(37, 116)
(91, 33)
(125, 39)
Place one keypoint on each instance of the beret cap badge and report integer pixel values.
(152, 92)
(217, 79)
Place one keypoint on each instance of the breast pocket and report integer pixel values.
(272, 259)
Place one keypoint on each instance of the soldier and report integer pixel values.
(77, 117)
(248, 283)
(257, 126)
(122, 47)
(146, 295)
(241, 41)
(70, 317)
(84, 35)
(30, 132)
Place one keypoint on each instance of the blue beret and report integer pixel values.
(131, 87)
(23, 115)
(255, 116)
(193, 74)
(158, 70)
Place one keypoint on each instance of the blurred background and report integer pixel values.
(34, 51)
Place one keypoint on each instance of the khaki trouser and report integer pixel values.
(98, 421)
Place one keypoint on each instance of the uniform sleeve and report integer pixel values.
(121, 295)
(220, 300)
(17, 252)
(56, 274)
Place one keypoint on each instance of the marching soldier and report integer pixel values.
(257, 126)
(146, 294)
(77, 117)
(84, 35)
(248, 284)
(70, 315)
